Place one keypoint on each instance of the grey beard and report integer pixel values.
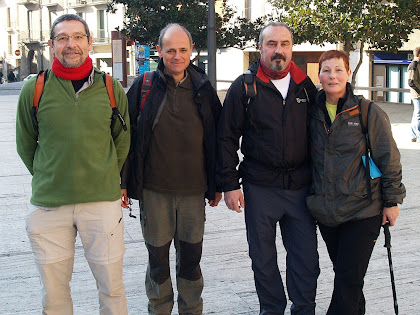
(276, 66)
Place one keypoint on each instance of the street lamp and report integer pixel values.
(211, 44)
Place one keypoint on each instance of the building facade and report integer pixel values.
(25, 30)
(378, 69)
(25, 27)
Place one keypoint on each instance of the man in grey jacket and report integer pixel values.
(414, 83)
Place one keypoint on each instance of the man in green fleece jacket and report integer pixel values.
(75, 158)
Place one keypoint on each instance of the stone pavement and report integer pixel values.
(229, 287)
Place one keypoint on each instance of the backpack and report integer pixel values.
(39, 89)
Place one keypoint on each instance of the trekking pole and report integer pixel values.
(391, 269)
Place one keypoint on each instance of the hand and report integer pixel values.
(390, 214)
(215, 202)
(124, 198)
(234, 200)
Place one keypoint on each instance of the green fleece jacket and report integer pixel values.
(80, 149)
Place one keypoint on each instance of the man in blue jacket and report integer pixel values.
(171, 168)
(275, 171)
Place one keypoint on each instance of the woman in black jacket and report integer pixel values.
(349, 214)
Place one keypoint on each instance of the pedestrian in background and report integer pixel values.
(414, 83)
(75, 161)
(349, 220)
(11, 77)
(275, 171)
(171, 169)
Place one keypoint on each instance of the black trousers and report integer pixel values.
(350, 247)
(266, 208)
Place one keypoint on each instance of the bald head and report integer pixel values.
(170, 27)
(175, 49)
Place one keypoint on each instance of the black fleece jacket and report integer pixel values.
(209, 108)
(274, 133)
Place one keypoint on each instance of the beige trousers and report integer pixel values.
(52, 234)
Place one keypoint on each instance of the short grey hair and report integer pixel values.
(260, 38)
(173, 25)
(69, 17)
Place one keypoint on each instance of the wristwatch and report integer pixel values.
(389, 204)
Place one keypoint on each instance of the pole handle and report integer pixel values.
(387, 235)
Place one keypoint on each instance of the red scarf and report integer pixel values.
(72, 74)
(273, 74)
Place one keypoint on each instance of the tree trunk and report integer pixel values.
(353, 78)
(196, 57)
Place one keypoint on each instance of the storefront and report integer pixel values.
(390, 70)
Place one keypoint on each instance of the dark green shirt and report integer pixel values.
(175, 160)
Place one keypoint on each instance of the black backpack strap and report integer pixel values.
(364, 107)
(110, 89)
(250, 85)
(249, 93)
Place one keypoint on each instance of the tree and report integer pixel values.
(145, 19)
(381, 24)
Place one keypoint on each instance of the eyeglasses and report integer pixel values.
(62, 39)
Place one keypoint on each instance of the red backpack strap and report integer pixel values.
(110, 89)
(146, 86)
(39, 88)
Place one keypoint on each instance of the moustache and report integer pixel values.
(72, 52)
(278, 56)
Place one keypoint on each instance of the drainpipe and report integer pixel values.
(41, 48)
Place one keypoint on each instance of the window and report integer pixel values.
(101, 25)
(9, 21)
(10, 44)
(248, 8)
(397, 78)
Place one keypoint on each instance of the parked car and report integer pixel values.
(30, 76)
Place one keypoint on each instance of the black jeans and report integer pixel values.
(350, 247)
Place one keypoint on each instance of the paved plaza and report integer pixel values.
(229, 287)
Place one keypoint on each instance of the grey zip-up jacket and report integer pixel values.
(339, 186)
(413, 73)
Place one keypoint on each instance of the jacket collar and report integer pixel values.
(198, 76)
(348, 101)
(296, 74)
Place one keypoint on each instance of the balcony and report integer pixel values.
(11, 27)
(82, 3)
(34, 36)
(29, 4)
(25, 2)
(100, 37)
(76, 3)
(52, 4)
